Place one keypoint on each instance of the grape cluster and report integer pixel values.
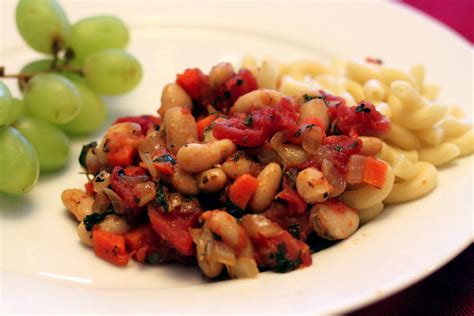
(61, 93)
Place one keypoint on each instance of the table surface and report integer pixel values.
(449, 291)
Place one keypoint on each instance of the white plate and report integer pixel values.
(45, 268)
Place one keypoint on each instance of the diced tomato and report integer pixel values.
(204, 123)
(123, 187)
(259, 126)
(143, 241)
(375, 172)
(110, 247)
(281, 253)
(89, 188)
(146, 122)
(197, 85)
(240, 84)
(337, 149)
(363, 119)
(134, 171)
(122, 150)
(242, 190)
(173, 227)
(296, 224)
(296, 205)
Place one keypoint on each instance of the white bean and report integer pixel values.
(114, 224)
(234, 168)
(211, 180)
(84, 235)
(174, 96)
(220, 73)
(333, 222)
(184, 182)
(199, 157)
(269, 181)
(312, 186)
(256, 99)
(315, 108)
(180, 128)
(78, 202)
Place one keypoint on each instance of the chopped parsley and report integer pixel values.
(308, 97)
(216, 236)
(338, 148)
(96, 218)
(294, 230)
(154, 258)
(161, 197)
(233, 209)
(84, 151)
(236, 156)
(165, 158)
(361, 108)
(283, 264)
(249, 121)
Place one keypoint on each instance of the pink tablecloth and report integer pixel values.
(449, 291)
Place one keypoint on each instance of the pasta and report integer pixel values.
(244, 166)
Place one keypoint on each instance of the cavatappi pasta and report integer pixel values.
(241, 168)
(425, 132)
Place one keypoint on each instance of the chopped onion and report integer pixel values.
(92, 161)
(256, 225)
(147, 148)
(356, 168)
(174, 201)
(311, 139)
(101, 203)
(116, 201)
(145, 191)
(292, 155)
(334, 178)
(149, 165)
(267, 155)
(278, 139)
(244, 268)
(101, 181)
(223, 253)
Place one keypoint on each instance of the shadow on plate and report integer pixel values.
(15, 206)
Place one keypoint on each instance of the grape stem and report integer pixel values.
(30, 75)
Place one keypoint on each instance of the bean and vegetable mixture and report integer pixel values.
(229, 176)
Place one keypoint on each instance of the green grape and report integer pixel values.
(5, 104)
(35, 67)
(93, 111)
(95, 34)
(49, 142)
(112, 71)
(43, 25)
(52, 98)
(18, 110)
(19, 166)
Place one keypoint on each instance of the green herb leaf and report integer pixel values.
(165, 158)
(154, 258)
(233, 209)
(283, 264)
(308, 97)
(294, 230)
(161, 197)
(96, 218)
(249, 121)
